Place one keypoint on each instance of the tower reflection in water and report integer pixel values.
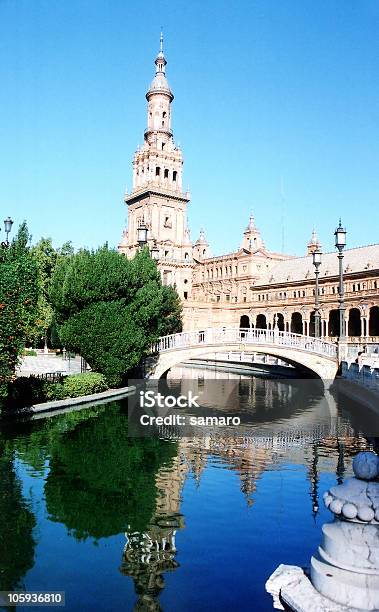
(148, 555)
(292, 422)
(151, 554)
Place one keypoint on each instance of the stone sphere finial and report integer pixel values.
(366, 465)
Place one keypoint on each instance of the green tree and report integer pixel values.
(111, 309)
(170, 321)
(19, 288)
(46, 258)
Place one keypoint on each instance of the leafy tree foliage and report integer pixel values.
(107, 485)
(18, 303)
(17, 543)
(46, 257)
(111, 309)
(99, 491)
(170, 321)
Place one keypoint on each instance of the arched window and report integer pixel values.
(244, 322)
(174, 174)
(296, 323)
(261, 322)
(186, 257)
(157, 171)
(166, 173)
(204, 252)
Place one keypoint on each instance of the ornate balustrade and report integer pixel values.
(265, 337)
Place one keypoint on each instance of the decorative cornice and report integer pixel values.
(147, 191)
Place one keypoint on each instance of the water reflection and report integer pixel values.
(17, 542)
(151, 553)
(99, 484)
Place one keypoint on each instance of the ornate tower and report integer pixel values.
(201, 247)
(314, 243)
(252, 240)
(157, 199)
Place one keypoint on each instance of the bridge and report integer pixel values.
(309, 354)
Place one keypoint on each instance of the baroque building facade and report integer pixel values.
(252, 287)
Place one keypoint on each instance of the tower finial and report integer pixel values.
(161, 42)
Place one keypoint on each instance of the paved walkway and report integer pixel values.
(44, 364)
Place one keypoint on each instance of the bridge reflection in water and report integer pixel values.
(309, 435)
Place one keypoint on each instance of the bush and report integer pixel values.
(26, 391)
(29, 353)
(84, 384)
(53, 391)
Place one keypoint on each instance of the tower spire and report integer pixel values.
(160, 61)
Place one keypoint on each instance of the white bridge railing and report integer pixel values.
(265, 337)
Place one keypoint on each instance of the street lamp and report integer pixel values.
(7, 228)
(142, 235)
(317, 262)
(340, 243)
(154, 251)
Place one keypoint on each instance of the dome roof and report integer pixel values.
(160, 84)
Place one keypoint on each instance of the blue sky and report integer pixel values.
(276, 110)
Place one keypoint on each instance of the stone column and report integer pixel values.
(327, 327)
(345, 570)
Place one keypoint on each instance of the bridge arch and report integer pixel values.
(312, 354)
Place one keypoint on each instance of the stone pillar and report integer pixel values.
(363, 327)
(345, 570)
(366, 326)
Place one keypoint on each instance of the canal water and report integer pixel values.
(186, 524)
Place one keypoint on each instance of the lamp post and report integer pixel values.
(340, 243)
(142, 235)
(7, 228)
(317, 262)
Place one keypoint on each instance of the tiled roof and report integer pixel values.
(301, 268)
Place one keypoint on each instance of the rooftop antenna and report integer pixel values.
(283, 213)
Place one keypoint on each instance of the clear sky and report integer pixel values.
(276, 110)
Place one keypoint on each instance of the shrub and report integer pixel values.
(25, 391)
(53, 391)
(84, 384)
(29, 353)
